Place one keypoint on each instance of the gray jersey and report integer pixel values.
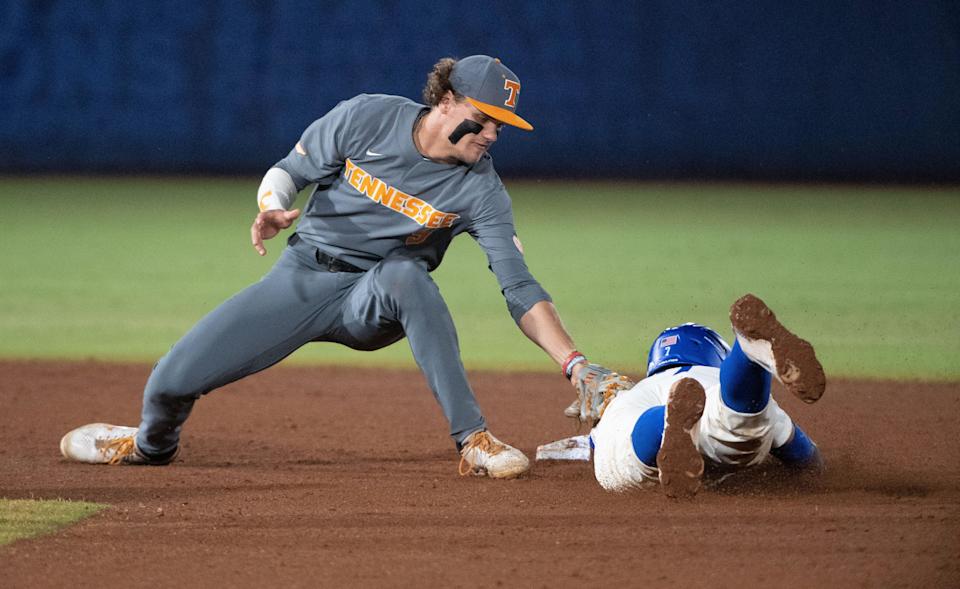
(376, 195)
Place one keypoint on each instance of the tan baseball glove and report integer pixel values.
(596, 387)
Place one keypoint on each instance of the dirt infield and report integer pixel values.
(307, 477)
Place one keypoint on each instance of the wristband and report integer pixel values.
(572, 360)
(277, 190)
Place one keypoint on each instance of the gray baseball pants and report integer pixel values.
(298, 302)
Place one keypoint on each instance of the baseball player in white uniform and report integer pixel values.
(702, 401)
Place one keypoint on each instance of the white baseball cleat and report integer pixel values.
(679, 461)
(102, 443)
(485, 455)
(767, 342)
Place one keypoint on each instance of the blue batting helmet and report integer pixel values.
(687, 344)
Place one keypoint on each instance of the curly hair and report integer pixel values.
(438, 83)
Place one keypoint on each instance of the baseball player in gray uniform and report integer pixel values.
(396, 181)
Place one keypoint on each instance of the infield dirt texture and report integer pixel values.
(309, 475)
(320, 476)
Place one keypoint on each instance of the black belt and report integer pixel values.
(334, 265)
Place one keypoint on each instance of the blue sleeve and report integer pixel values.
(494, 231)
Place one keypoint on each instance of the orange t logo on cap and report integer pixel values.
(514, 88)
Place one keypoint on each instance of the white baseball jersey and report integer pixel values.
(723, 436)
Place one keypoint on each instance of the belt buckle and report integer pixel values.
(328, 262)
(333, 264)
(323, 260)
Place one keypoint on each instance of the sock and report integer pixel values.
(799, 451)
(744, 385)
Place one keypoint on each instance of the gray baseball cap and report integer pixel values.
(489, 86)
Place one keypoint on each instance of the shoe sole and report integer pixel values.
(509, 474)
(679, 462)
(795, 363)
(64, 444)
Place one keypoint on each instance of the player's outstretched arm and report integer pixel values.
(595, 384)
(268, 224)
(543, 326)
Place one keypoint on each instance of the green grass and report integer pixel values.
(120, 268)
(23, 518)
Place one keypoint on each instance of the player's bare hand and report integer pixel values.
(268, 224)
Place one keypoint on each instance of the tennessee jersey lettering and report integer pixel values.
(409, 206)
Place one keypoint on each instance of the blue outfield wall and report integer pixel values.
(819, 90)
